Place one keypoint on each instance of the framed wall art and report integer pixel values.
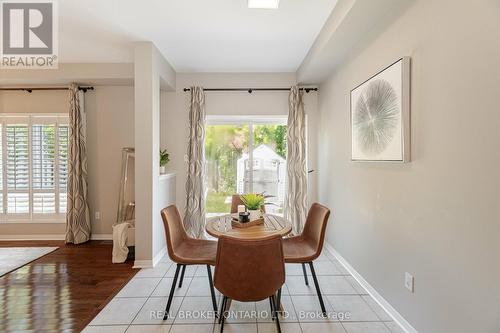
(380, 115)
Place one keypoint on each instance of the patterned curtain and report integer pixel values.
(194, 217)
(78, 215)
(296, 197)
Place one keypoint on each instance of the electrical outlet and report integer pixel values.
(97, 215)
(409, 281)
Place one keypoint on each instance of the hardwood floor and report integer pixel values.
(62, 291)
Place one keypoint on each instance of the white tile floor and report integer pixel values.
(138, 306)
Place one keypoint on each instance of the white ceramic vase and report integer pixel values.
(254, 214)
(163, 170)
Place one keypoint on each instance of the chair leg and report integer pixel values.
(305, 274)
(271, 306)
(182, 275)
(212, 291)
(274, 311)
(222, 308)
(278, 302)
(172, 289)
(223, 314)
(318, 291)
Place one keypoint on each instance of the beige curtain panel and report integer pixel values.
(78, 215)
(194, 217)
(296, 198)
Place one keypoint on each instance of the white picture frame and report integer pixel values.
(380, 115)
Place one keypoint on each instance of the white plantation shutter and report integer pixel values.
(33, 168)
(17, 173)
(63, 166)
(43, 178)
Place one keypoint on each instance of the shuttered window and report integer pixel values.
(34, 167)
(63, 135)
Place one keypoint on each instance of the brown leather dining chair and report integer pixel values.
(184, 250)
(306, 247)
(249, 270)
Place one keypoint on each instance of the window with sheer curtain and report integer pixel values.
(33, 169)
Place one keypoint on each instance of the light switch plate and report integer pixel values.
(409, 281)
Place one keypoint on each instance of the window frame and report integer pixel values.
(250, 121)
(32, 119)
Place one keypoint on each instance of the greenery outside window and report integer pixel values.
(245, 155)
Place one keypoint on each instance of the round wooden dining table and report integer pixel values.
(273, 224)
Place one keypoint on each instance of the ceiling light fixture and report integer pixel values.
(263, 4)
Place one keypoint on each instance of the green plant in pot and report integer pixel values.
(164, 159)
(253, 202)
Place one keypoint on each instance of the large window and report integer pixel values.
(245, 155)
(33, 168)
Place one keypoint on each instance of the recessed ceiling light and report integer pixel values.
(263, 4)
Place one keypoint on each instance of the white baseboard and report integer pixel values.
(398, 318)
(159, 256)
(143, 263)
(50, 237)
(31, 237)
(101, 237)
(150, 263)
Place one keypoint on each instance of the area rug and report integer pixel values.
(11, 258)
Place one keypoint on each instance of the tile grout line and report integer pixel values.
(147, 299)
(296, 314)
(256, 322)
(183, 297)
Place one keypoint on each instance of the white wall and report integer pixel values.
(166, 197)
(175, 108)
(436, 217)
(105, 138)
(151, 72)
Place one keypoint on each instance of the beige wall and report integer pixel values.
(436, 217)
(175, 105)
(110, 126)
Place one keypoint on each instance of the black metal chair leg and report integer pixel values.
(223, 314)
(318, 291)
(182, 275)
(271, 306)
(275, 313)
(212, 291)
(172, 289)
(305, 274)
(278, 302)
(222, 308)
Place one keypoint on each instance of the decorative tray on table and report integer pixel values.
(235, 223)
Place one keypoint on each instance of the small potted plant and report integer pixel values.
(253, 202)
(164, 159)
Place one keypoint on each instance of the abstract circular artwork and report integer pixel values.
(375, 117)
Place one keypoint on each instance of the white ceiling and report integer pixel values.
(193, 35)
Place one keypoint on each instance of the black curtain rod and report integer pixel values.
(84, 89)
(250, 90)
